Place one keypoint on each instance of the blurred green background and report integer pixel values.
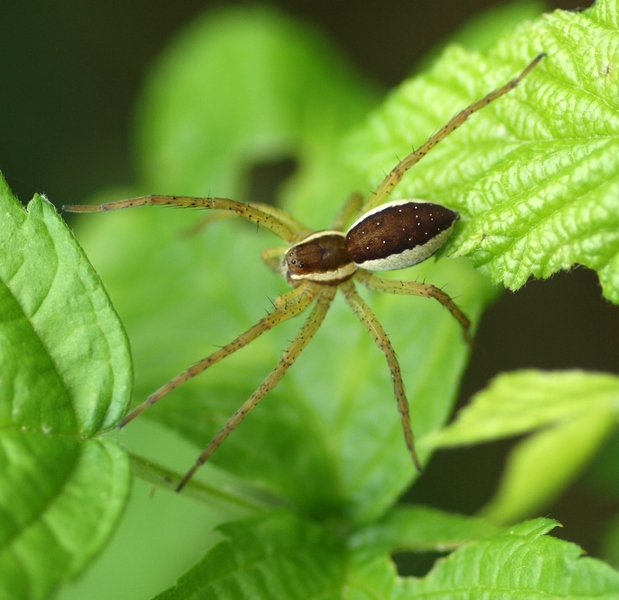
(69, 74)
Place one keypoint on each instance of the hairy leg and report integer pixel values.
(281, 224)
(306, 333)
(288, 305)
(415, 288)
(395, 175)
(370, 322)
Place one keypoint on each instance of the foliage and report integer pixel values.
(317, 470)
(55, 404)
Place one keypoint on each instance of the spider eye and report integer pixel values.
(399, 234)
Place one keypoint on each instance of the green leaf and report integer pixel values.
(418, 529)
(61, 501)
(574, 413)
(333, 418)
(522, 401)
(539, 469)
(521, 562)
(535, 174)
(66, 376)
(280, 555)
(53, 302)
(274, 555)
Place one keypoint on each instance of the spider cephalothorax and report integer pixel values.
(387, 236)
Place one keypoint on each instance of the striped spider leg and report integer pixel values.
(387, 236)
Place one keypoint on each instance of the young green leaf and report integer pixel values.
(66, 376)
(522, 401)
(534, 175)
(574, 412)
(540, 468)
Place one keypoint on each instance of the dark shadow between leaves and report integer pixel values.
(265, 179)
(415, 564)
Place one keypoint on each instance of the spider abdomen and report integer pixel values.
(321, 257)
(399, 234)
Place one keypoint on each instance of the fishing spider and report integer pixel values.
(387, 236)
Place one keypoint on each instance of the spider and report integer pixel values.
(386, 236)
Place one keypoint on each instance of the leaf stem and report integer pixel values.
(233, 495)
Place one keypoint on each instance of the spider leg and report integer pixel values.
(294, 224)
(395, 175)
(347, 212)
(415, 288)
(274, 220)
(306, 333)
(370, 322)
(282, 216)
(287, 306)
